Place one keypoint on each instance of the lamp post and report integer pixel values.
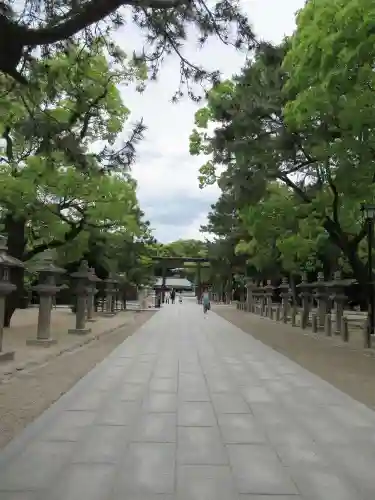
(368, 212)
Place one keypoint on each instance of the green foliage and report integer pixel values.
(61, 173)
(321, 155)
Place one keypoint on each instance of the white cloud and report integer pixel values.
(166, 173)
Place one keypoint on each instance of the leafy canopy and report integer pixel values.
(54, 174)
(164, 26)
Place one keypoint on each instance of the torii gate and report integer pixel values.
(175, 262)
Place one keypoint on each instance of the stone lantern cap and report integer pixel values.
(83, 272)
(93, 277)
(284, 287)
(47, 266)
(111, 279)
(341, 282)
(250, 283)
(5, 259)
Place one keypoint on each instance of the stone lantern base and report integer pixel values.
(6, 356)
(80, 331)
(41, 342)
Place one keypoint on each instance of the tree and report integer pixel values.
(256, 147)
(54, 186)
(164, 24)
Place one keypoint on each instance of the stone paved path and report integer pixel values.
(194, 409)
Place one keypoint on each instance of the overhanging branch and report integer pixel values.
(69, 236)
(88, 14)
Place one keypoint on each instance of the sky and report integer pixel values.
(167, 176)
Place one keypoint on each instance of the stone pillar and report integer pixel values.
(199, 283)
(163, 282)
(268, 298)
(285, 294)
(339, 298)
(262, 299)
(91, 292)
(321, 295)
(250, 287)
(114, 293)
(6, 287)
(109, 295)
(305, 295)
(81, 278)
(46, 290)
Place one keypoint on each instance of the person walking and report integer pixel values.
(206, 302)
(173, 295)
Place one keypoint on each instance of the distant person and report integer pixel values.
(180, 298)
(206, 302)
(173, 295)
(167, 298)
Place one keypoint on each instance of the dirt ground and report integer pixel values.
(351, 371)
(26, 396)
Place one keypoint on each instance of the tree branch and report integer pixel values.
(69, 236)
(88, 14)
(304, 197)
(335, 202)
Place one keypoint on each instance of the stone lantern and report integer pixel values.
(82, 281)
(46, 289)
(91, 292)
(285, 294)
(306, 297)
(268, 292)
(115, 292)
(250, 287)
(337, 288)
(109, 291)
(322, 297)
(6, 287)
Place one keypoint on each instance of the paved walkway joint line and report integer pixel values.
(195, 409)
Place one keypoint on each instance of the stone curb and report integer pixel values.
(17, 370)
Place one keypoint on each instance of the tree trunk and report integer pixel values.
(15, 231)
(340, 238)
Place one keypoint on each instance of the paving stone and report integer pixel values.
(160, 402)
(118, 413)
(37, 466)
(206, 482)
(269, 497)
(155, 427)
(148, 468)
(69, 426)
(194, 409)
(90, 401)
(200, 445)
(132, 392)
(102, 444)
(194, 395)
(18, 495)
(257, 470)
(229, 403)
(163, 384)
(200, 414)
(81, 481)
(241, 429)
(318, 484)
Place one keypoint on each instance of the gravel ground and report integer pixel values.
(353, 372)
(25, 397)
